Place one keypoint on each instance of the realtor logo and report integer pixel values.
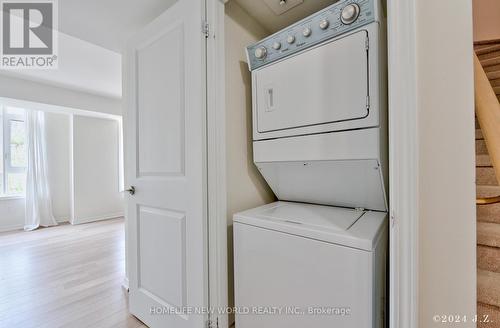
(29, 34)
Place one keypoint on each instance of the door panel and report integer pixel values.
(160, 114)
(166, 163)
(162, 273)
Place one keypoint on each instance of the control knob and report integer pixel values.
(276, 45)
(290, 39)
(306, 32)
(350, 13)
(323, 24)
(261, 52)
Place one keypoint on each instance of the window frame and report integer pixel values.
(6, 156)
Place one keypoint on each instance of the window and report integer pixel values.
(13, 147)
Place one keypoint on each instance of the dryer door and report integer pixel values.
(327, 84)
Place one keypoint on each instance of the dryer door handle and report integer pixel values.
(270, 99)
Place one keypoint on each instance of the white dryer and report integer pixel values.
(319, 98)
(320, 142)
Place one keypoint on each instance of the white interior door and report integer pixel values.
(166, 164)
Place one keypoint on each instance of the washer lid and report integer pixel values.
(321, 217)
(343, 226)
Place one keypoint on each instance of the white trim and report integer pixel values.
(11, 197)
(71, 169)
(403, 164)
(90, 219)
(10, 228)
(33, 105)
(216, 141)
(62, 220)
(73, 88)
(125, 284)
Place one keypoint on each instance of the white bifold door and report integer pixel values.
(166, 166)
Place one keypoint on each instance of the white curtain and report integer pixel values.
(38, 201)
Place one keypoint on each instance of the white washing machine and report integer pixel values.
(320, 142)
(299, 265)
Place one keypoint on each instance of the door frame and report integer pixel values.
(216, 164)
(403, 162)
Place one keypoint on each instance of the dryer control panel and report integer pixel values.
(328, 23)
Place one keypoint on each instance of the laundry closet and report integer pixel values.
(285, 62)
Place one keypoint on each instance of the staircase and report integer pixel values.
(488, 237)
(488, 215)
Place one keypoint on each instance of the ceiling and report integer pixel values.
(107, 23)
(259, 10)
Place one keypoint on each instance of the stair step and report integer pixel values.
(490, 62)
(488, 213)
(481, 148)
(486, 176)
(493, 75)
(496, 90)
(486, 48)
(479, 134)
(488, 313)
(483, 160)
(487, 191)
(489, 55)
(488, 258)
(495, 83)
(494, 68)
(488, 234)
(481, 44)
(488, 287)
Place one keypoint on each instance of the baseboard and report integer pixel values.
(125, 284)
(62, 220)
(21, 225)
(97, 218)
(12, 228)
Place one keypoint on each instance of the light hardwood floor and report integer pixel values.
(64, 276)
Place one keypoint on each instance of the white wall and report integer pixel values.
(96, 175)
(245, 186)
(486, 20)
(82, 66)
(11, 214)
(447, 220)
(88, 78)
(58, 162)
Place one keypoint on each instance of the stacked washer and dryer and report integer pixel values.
(317, 257)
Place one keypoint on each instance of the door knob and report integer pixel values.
(131, 190)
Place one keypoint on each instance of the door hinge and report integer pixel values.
(205, 28)
(393, 219)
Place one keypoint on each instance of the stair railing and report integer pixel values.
(488, 115)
